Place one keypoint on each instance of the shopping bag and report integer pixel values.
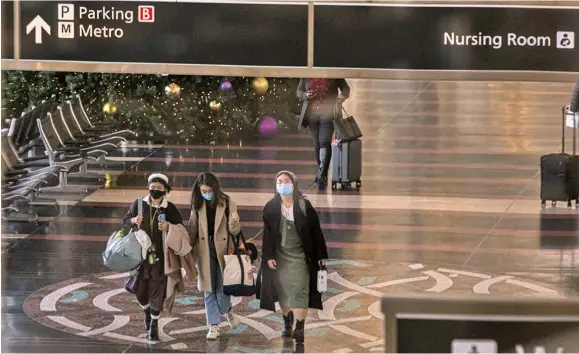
(123, 251)
(238, 279)
(346, 128)
(322, 279)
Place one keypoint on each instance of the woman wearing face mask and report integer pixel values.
(208, 228)
(151, 282)
(293, 250)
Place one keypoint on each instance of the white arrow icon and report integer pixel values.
(38, 24)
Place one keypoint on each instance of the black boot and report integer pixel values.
(299, 331)
(154, 330)
(325, 157)
(147, 319)
(288, 324)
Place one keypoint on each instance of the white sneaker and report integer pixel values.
(233, 321)
(213, 333)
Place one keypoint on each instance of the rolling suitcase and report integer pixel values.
(560, 173)
(346, 163)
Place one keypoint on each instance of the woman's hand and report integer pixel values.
(163, 225)
(234, 217)
(272, 264)
(137, 220)
(341, 98)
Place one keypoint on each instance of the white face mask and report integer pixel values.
(285, 189)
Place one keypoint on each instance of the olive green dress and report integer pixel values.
(293, 276)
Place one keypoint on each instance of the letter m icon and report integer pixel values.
(65, 29)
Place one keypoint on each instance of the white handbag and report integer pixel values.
(238, 277)
(322, 280)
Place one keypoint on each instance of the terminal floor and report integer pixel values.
(449, 204)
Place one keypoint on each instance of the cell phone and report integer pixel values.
(162, 217)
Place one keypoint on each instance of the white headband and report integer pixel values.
(158, 175)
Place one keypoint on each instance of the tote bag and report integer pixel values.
(346, 128)
(123, 251)
(238, 277)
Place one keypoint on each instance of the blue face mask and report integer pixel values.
(207, 196)
(285, 189)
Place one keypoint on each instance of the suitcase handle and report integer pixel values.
(565, 111)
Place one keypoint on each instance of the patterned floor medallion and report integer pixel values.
(98, 307)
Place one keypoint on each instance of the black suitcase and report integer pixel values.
(560, 173)
(347, 164)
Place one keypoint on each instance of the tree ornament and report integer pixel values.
(109, 108)
(215, 106)
(173, 89)
(267, 126)
(260, 85)
(225, 86)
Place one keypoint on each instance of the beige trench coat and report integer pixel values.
(199, 234)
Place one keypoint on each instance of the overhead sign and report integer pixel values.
(161, 32)
(7, 29)
(446, 37)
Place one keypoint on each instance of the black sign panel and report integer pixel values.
(7, 29)
(446, 38)
(448, 336)
(161, 32)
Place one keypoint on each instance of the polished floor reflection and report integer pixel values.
(449, 204)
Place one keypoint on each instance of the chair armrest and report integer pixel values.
(32, 164)
(67, 149)
(98, 146)
(97, 130)
(33, 158)
(77, 143)
(15, 173)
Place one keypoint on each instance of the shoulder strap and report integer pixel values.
(227, 212)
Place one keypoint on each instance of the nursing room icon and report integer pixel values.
(565, 40)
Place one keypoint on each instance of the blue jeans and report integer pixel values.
(217, 304)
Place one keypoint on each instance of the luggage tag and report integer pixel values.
(322, 280)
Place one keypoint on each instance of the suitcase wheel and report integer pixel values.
(358, 184)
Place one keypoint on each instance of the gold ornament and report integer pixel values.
(109, 108)
(214, 105)
(260, 85)
(173, 89)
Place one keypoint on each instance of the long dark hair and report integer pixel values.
(208, 179)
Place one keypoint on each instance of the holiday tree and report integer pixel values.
(184, 108)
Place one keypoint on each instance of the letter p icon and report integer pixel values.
(66, 12)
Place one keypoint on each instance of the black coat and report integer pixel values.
(310, 232)
(301, 93)
(169, 209)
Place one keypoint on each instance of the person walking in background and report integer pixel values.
(293, 250)
(213, 217)
(320, 97)
(151, 283)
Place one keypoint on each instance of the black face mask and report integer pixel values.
(156, 194)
